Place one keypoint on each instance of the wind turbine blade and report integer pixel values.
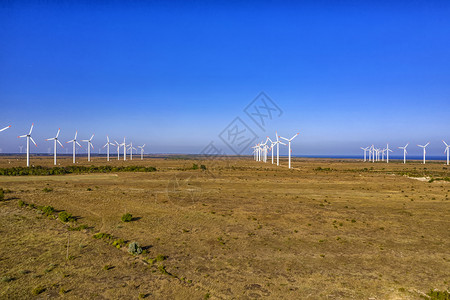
(445, 143)
(5, 128)
(60, 143)
(57, 134)
(91, 137)
(295, 136)
(91, 145)
(31, 129)
(50, 139)
(406, 145)
(107, 138)
(427, 144)
(284, 138)
(105, 145)
(76, 133)
(78, 144)
(33, 141)
(21, 136)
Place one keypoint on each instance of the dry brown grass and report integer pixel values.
(251, 230)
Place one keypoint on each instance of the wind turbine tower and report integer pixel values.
(446, 150)
(404, 152)
(55, 145)
(289, 142)
(28, 136)
(424, 150)
(75, 142)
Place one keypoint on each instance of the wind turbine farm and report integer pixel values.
(262, 150)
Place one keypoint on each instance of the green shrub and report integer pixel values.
(65, 217)
(437, 295)
(47, 190)
(161, 257)
(7, 279)
(194, 166)
(102, 235)
(21, 203)
(134, 248)
(203, 167)
(119, 243)
(78, 228)
(38, 290)
(47, 210)
(127, 217)
(42, 171)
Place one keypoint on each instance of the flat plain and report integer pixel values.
(239, 229)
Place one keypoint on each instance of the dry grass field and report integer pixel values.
(327, 229)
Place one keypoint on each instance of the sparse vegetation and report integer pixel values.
(437, 295)
(127, 217)
(102, 236)
(78, 228)
(42, 171)
(47, 210)
(65, 217)
(38, 290)
(134, 248)
(47, 190)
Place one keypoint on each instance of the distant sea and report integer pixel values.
(408, 157)
(159, 155)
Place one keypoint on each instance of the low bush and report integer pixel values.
(38, 290)
(39, 170)
(47, 190)
(127, 217)
(102, 235)
(119, 243)
(437, 295)
(65, 217)
(134, 248)
(78, 228)
(47, 210)
(2, 194)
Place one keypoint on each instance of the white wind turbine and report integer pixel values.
(124, 149)
(118, 149)
(89, 141)
(446, 150)
(55, 146)
(142, 151)
(365, 150)
(5, 128)
(107, 147)
(289, 142)
(278, 142)
(254, 152)
(271, 147)
(28, 136)
(387, 153)
(75, 142)
(424, 150)
(404, 152)
(131, 150)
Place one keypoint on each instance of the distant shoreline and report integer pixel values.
(188, 156)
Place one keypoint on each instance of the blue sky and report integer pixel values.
(173, 76)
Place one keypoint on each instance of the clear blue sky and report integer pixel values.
(175, 75)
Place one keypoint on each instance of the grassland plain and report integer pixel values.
(327, 229)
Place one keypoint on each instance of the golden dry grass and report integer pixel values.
(241, 229)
